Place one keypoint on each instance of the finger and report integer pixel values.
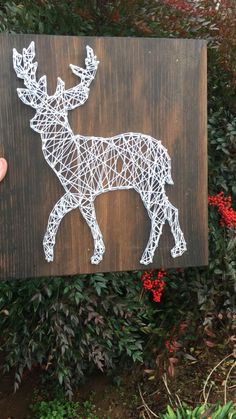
(3, 168)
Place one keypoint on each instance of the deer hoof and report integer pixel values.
(96, 259)
(48, 254)
(49, 257)
(145, 260)
(178, 250)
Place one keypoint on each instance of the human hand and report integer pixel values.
(3, 168)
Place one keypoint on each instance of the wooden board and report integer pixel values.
(153, 86)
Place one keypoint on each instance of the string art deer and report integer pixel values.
(89, 166)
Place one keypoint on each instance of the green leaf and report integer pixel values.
(171, 413)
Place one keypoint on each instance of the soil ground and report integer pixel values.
(139, 389)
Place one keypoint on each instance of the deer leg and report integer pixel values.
(62, 207)
(173, 219)
(88, 211)
(157, 217)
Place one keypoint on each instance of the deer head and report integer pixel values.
(51, 110)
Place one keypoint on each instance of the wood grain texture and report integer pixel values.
(153, 86)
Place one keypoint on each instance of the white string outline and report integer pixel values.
(90, 166)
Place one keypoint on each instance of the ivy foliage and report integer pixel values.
(66, 327)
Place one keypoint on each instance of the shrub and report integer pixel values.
(55, 409)
(68, 326)
(222, 151)
(59, 408)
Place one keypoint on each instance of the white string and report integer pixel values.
(90, 166)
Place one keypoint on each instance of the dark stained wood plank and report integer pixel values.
(153, 86)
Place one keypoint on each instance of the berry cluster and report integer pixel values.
(152, 281)
(225, 210)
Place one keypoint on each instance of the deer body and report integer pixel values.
(89, 166)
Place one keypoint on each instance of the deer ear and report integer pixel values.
(28, 97)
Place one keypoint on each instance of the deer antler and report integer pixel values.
(35, 90)
(24, 66)
(77, 95)
(87, 74)
(26, 70)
